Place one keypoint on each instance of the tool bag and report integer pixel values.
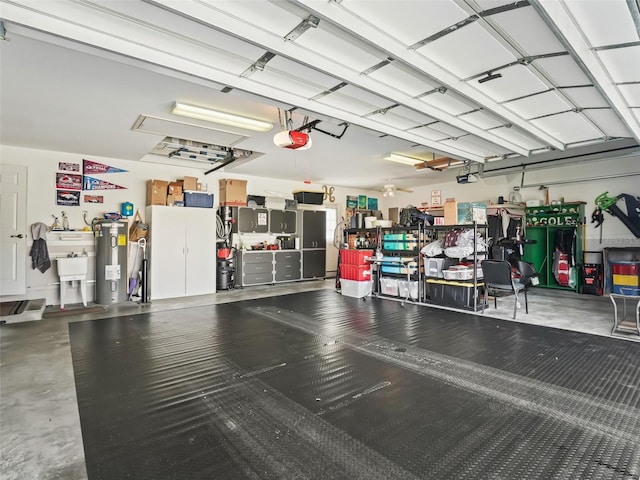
(138, 228)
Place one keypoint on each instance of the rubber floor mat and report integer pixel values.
(319, 386)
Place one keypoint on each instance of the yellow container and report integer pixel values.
(627, 280)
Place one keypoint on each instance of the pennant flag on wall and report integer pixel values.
(91, 183)
(89, 166)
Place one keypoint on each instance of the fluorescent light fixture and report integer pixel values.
(396, 157)
(222, 118)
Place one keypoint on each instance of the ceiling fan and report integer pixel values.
(390, 190)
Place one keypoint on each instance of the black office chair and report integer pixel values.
(527, 273)
(497, 277)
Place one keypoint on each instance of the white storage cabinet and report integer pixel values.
(182, 251)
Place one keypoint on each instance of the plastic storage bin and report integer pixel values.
(389, 286)
(625, 268)
(451, 294)
(354, 288)
(198, 199)
(408, 289)
(309, 198)
(354, 257)
(355, 272)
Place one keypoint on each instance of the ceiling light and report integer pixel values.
(222, 118)
(395, 157)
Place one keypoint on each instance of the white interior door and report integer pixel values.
(13, 229)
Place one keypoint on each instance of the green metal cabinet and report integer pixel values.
(541, 226)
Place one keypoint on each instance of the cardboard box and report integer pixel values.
(450, 212)
(157, 192)
(233, 192)
(175, 200)
(190, 183)
(175, 188)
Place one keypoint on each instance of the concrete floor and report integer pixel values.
(39, 421)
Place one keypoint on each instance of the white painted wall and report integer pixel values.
(41, 204)
(615, 233)
(42, 166)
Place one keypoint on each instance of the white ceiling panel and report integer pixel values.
(568, 127)
(609, 122)
(450, 130)
(604, 22)
(617, 61)
(429, 133)
(537, 105)
(516, 81)
(585, 97)
(562, 71)
(407, 20)
(482, 119)
(267, 15)
(528, 31)
(310, 75)
(346, 51)
(636, 112)
(417, 117)
(517, 136)
(489, 4)
(346, 103)
(365, 97)
(631, 94)
(476, 146)
(449, 103)
(394, 121)
(287, 83)
(399, 76)
(467, 51)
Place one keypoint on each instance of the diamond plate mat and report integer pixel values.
(319, 386)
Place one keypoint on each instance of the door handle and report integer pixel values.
(16, 236)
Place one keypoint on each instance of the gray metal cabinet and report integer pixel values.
(287, 266)
(255, 268)
(314, 229)
(250, 220)
(314, 263)
(282, 221)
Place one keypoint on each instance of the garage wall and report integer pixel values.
(41, 203)
(615, 234)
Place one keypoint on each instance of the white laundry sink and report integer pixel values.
(71, 269)
(72, 266)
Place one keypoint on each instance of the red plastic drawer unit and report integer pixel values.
(354, 257)
(626, 268)
(355, 272)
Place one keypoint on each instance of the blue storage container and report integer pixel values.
(625, 290)
(198, 199)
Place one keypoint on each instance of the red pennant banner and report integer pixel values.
(89, 166)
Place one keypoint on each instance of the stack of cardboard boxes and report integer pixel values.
(183, 193)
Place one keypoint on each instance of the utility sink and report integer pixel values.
(72, 266)
(72, 269)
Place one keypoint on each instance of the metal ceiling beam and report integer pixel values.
(557, 16)
(342, 18)
(128, 39)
